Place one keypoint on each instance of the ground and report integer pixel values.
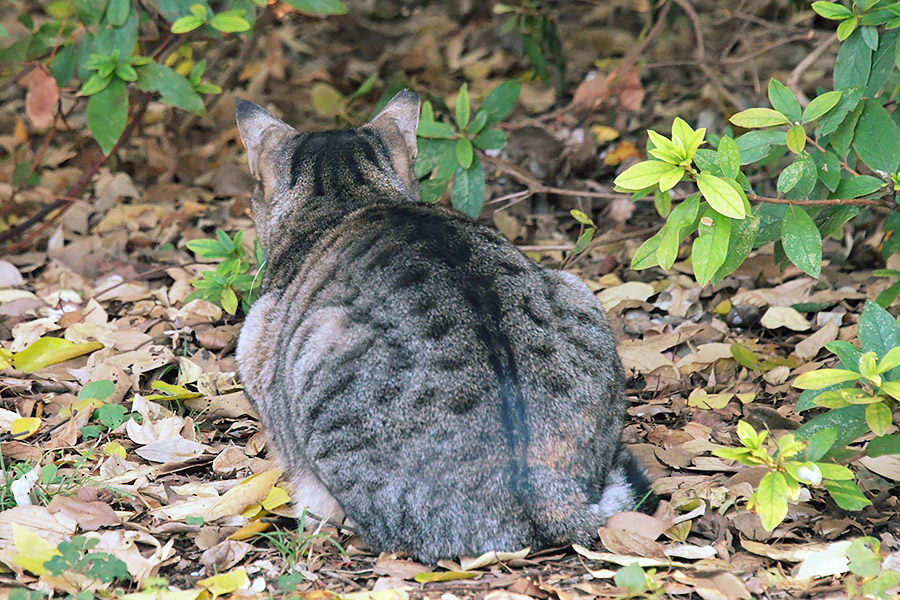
(114, 269)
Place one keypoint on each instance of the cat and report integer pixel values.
(415, 371)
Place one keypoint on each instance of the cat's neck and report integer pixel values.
(301, 228)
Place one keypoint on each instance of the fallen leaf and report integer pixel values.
(32, 551)
(226, 583)
(50, 351)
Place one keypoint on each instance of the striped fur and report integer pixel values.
(412, 368)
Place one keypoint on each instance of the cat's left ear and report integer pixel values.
(260, 131)
(400, 115)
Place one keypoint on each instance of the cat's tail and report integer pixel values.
(561, 510)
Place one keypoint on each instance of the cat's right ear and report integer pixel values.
(259, 131)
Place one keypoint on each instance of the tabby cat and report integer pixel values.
(415, 371)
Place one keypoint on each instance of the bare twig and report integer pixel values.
(793, 81)
(61, 204)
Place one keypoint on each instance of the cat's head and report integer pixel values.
(293, 168)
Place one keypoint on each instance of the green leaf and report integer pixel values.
(126, 72)
(870, 37)
(670, 179)
(722, 197)
(631, 578)
(878, 331)
(783, 100)
(581, 218)
(835, 472)
(753, 118)
(583, 240)
(857, 186)
(186, 23)
(877, 139)
(430, 153)
(849, 422)
(462, 107)
(849, 101)
(820, 444)
(319, 7)
(95, 83)
(729, 157)
(884, 445)
(662, 201)
(490, 139)
(117, 12)
(231, 21)
(740, 244)
(101, 390)
(500, 102)
(433, 189)
(756, 145)
(802, 241)
(642, 175)
(853, 64)
(468, 189)
(878, 417)
(107, 114)
(174, 88)
(646, 254)
(771, 500)
(464, 153)
(796, 139)
(710, 247)
(820, 105)
(848, 354)
(434, 129)
(846, 494)
(889, 360)
(199, 11)
(814, 380)
(847, 27)
(111, 415)
(832, 10)
(830, 171)
(229, 300)
(789, 177)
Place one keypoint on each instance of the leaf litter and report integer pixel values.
(165, 468)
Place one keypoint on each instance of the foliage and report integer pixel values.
(236, 278)
(291, 545)
(447, 152)
(782, 484)
(75, 556)
(843, 151)
(637, 581)
(862, 396)
(540, 39)
(110, 47)
(865, 562)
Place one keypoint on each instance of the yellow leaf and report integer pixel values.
(746, 398)
(87, 403)
(700, 399)
(163, 594)
(50, 351)
(603, 133)
(249, 530)
(32, 551)
(444, 576)
(173, 392)
(326, 99)
(252, 512)
(225, 583)
(277, 497)
(6, 358)
(249, 492)
(111, 448)
(24, 427)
